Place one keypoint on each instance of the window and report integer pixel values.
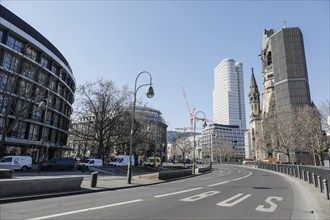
(54, 69)
(10, 62)
(21, 130)
(8, 159)
(30, 52)
(14, 44)
(269, 58)
(44, 62)
(25, 89)
(6, 82)
(52, 84)
(42, 78)
(29, 71)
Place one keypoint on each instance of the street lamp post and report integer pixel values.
(149, 94)
(204, 125)
(44, 105)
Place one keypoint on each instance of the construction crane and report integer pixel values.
(191, 113)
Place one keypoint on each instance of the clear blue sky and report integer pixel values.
(178, 42)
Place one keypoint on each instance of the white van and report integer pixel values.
(16, 162)
(90, 163)
(153, 161)
(121, 160)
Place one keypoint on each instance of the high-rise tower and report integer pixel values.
(228, 94)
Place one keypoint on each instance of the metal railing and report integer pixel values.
(318, 176)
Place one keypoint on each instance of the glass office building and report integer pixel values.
(36, 91)
(228, 94)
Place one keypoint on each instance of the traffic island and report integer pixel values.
(6, 173)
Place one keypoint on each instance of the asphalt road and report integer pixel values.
(229, 192)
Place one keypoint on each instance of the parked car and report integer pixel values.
(121, 160)
(61, 163)
(200, 161)
(89, 163)
(16, 162)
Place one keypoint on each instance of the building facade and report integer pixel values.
(228, 94)
(285, 82)
(153, 132)
(225, 142)
(32, 72)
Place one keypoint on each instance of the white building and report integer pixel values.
(218, 135)
(228, 94)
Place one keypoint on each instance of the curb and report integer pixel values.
(86, 191)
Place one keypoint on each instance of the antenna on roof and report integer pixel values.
(284, 24)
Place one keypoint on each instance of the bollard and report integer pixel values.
(94, 179)
(313, 180)
(326, 189)
(308, 179)
(303, 174)
(298, 170)
(319, 183)
(294, 172)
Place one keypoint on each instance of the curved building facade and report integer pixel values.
(157, 129)
(36, 91)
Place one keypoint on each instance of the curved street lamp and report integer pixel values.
(43, 105)
(204, 125)
(149, 94)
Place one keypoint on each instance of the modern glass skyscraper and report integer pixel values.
(228, 94)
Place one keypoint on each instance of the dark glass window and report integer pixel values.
(14, 44)
(42, 78)
(10, 62)
(54, 69)
(29, 71)
(44, 62)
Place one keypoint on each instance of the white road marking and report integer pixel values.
(173, 193)
(218, 183)
(243, 177)
(85, 210)
(200, 196)
(227, 202)
(273, 206)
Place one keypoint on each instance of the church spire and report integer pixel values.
(253, 86)
(254, 97)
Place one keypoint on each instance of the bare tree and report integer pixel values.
(281, 132)
(139, 134)
(222, 150)
(324, 110)
(313, 138)
(184, 146)
(102, 106)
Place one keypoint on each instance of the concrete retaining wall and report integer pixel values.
(9, 187)
(166, 175)
(203, 169)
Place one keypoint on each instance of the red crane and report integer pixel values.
(191, 113)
